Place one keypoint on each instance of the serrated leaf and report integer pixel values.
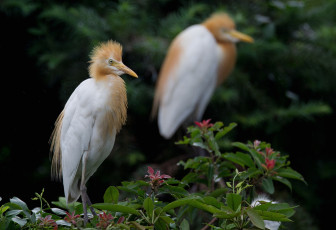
(111, 195)
(116, 208)
(255, 218)
(268, 186)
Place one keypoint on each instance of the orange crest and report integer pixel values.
(104, 51)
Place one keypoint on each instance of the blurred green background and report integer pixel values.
(282, 90)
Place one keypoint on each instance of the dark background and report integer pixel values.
(282, 89)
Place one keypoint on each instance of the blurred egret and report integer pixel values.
(200, 58)
(85, 130)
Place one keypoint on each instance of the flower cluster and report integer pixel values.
(269, 163)
(71, 218)
(156, 179)
(104, 220)
(204, 125)
(47, 222)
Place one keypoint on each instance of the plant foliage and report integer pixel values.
(226, 184)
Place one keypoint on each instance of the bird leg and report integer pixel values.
(85, 198)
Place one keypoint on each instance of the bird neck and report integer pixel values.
(227, 60)
(98, 71)
(116, 103)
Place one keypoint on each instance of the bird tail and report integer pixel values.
(55, 148)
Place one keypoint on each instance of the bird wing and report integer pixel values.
(187, 79)
(77, 125)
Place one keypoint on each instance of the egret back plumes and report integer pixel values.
(200, 58)
(85, 130)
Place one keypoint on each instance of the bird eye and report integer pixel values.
(224, 30)
(110, 61)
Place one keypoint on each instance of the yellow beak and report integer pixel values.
(127, 70)
(240, 36)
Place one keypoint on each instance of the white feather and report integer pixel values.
(83, 116)
(272, 225)
(192, 82)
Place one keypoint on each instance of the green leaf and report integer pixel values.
(212, 201)
(176, 191)
(62, 204)
(116, 208)
(148, 206)
(233, 201)
(267, 184)
(240, 158)
(58, 211)
(213, 145)
(290, 173)
(218, 192)
(274, 216)
(12, 213)
(250, 173)
(282, 208)
(190, 178)
(225, 130)
(160, 224)
(3, 209)
(178, 203)
(205, 207)
(284, 181)
(167, 219)
(19, 221)
(22, 205)
(255, 218)
(111, 195)
(258, 158)
(184, 225)
(185, 141)
(241, 146)
(201, 145)
(210, 174)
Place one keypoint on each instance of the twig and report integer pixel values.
(211, 222)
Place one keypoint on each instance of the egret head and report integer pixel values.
(224, 30)
(106, 59)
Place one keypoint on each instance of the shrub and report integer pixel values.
(218, 191)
